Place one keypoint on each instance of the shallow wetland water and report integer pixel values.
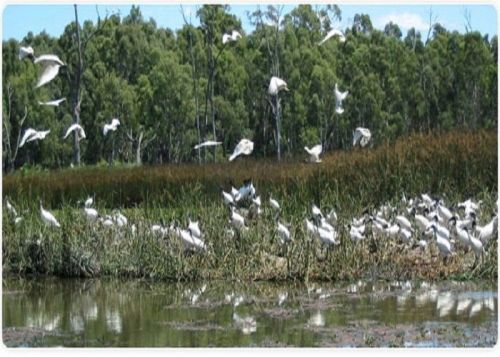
(137, 313)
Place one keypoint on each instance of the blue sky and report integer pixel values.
(19, 19)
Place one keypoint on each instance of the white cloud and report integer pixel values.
(405, 20)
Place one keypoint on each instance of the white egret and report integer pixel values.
(194, 228)
(10, 208)
(422, 222)
(314, 153)
(443, 244)
(405, 234)
(230, 37)
(50, 64)
(326, 236)
(283, 233)
(120, 219)
(331, 34)
(190, 241)
(89, 202)
(274, 204)
(311, 229)
(486, 233)
(79, 130)
(476, 245)
(207, 143)
(316, 212)
(91, 213)
(48, 217)
(244, 147)
(228, 198)
(31, 134)
(111, 127)
(444, 212)
(53, 103)
(361, 136)
(26, 52)
(275, 85)
(339, 97)
(404, 222)
(392, 231)
(237, 219)
(356, 233)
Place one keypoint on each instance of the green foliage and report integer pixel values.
(159, 85)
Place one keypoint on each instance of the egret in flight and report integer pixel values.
(276, 85)
(31, 134)
(245, 147)
(53, 103)
(230, 37)
(112, 126)
(78, 129)
(331, 34)
(51, 65)
(339, 97)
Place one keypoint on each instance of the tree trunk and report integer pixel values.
(76, 100)
(138, 160)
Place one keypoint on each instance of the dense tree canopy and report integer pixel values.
(171, 90)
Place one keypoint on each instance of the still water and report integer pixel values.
(103, 313)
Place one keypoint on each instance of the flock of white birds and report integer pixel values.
(50, 68)
(418, 223)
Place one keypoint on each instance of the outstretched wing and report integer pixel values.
(50, 71)
(27, 134)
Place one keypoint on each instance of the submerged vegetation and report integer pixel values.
(454, 166)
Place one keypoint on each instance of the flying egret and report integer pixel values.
(275, 85)
(339, 97)
(207, 143)
(53, 103)
(111, 127)
(26, 52)
(361, 136)
(50, 64)
(244, 147)
(314, 153)
(79, 130)
(331, 34)
(230, 37)
(31, 134)
(48, 217)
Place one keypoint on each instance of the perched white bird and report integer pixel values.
(244, 147)
(10, 208)
(53, 103)
(50, 64)
(331, 34)
(79, 130)
(339, 97)
(274, 204)
(444, 212)
(404, 222)
(111, 127)
(26, 52)
(194, 228)
(91, 213)
(314, 153)
(356, 233)
(405, 234)
(476, 245)
(316, 212)
(89, 202)
(392, 231)
(190, 241)
(486, 233)
(107, 222)
(230, 37)
(228, 198)
(207, 143)
(443, 244)
(48, 217)
(422, 222)
(32, 135)
(283, 233)
(120, 219)
(327, 236)
(361, 136)
(275, 85)
(237, 219)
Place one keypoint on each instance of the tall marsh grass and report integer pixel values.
(455, 166)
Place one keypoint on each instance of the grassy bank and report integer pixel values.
(455, 166)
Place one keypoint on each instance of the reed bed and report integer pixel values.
(454, 166)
